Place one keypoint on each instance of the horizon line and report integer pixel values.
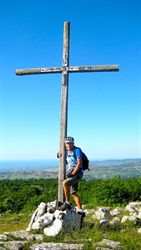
(90, 159)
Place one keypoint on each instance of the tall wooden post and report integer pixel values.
(64, 111)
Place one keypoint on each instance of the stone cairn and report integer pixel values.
(51, 220)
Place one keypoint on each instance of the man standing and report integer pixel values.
(75, 173)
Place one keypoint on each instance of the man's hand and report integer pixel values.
(59, 155)
(69, 175)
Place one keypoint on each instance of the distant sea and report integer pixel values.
(24, 169)
(27, 165)
(99, 168)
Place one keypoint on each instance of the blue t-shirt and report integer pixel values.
(71, 158)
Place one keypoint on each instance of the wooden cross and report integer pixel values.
(65, 70)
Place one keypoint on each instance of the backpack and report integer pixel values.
(85, 161)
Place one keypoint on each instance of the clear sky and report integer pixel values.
(104, 108)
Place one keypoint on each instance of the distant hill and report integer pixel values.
(125, 168)
(116, 162)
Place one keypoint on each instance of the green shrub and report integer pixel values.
(26, 195)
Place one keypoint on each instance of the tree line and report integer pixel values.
(25, 195)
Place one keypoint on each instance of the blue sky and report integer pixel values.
(104, 108)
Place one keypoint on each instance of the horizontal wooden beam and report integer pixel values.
(71, 69)
(38, 71)
(98, 68)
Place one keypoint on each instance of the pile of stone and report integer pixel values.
(52, 221)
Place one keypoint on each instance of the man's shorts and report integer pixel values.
(73, 182)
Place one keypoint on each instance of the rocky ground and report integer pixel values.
(51, 222)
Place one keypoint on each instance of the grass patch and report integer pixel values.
(13, 222)
(90, 234)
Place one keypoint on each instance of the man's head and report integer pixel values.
(69, 143)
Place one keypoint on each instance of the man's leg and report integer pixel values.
(66, 188)
(73, 183)
(74, 189)
(78, 204)
(77, 200)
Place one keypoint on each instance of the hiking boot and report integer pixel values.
(82, 213)
(64, 207)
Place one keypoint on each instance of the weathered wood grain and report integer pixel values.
(35, 71)
(98, 68)
(66, 69)
(64, 112)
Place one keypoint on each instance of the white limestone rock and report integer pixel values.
(89, 211)
(57, 246)
(41, 210)
(102, 248)
(133, 207)
(31, 221)
(37, 214)
(115, 211)
(104, 223)
(14, 245)
(43, 221)
(54, 229)
(134, 218)
(102, 213)
(36, 226)
(51, 206)
(139, 231)
(130, 208)
(3, 237)
(115, 222)
(59, 214)
(139, 214)
(124, 219)
(24, 235)
(110, 244)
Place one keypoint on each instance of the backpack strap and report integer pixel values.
(75, 151)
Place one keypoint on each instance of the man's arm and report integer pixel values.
(77, 167)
